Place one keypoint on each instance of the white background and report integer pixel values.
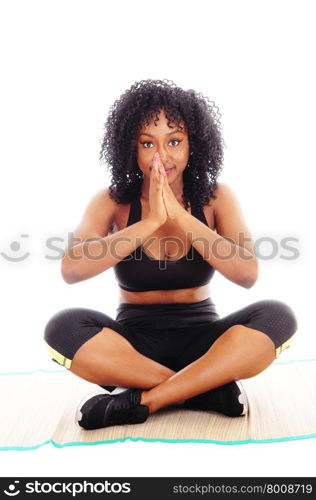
(63, 63)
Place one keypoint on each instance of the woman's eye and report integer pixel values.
(149, 144)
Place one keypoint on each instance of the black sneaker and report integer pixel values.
(103, 410)
(229, 399)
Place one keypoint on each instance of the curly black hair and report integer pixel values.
(140, 104)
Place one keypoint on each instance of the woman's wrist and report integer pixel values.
(155, 221)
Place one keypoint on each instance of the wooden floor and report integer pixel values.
(40, 407)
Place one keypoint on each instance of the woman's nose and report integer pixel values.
(162, 153)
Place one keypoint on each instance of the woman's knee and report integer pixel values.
(70, 328)
(281, 315)
(278, 320)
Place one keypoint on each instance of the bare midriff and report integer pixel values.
(184, 295)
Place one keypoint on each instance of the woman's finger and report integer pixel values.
(154, 172)
(158, 167)
(158, 175)
(156, 158)
(163, 170)
(162, 173)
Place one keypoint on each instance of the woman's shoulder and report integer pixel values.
(119, 210)
(104, 198)
(98, 215)
(224, 202)
(101, 201)
(228, 213)
(105, 193)
(224, 194)
(110, 205)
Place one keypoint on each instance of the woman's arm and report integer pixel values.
(230, 248)
(94, 251)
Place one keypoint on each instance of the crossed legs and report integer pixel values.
(109, 359)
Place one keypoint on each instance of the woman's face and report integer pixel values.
(172, 144)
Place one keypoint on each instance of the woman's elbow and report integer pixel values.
(68, 273)
(69, 278)
(252, 275)
(249, 282)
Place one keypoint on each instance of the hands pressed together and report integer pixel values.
(162, 201)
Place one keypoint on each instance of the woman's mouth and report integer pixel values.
(168, 170)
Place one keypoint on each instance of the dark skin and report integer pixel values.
(172, 145)
(240, 352)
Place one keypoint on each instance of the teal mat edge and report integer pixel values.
(120, 440)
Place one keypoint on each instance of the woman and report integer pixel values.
(166, 225)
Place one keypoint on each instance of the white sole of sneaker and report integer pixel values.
(116, 391)
(242, 398)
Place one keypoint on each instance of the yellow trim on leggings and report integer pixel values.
(62, 360)
(284, 346)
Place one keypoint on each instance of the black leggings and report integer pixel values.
(174, 335)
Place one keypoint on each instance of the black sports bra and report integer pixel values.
(138, 272)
